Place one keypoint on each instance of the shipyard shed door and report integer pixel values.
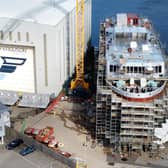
(17, 68)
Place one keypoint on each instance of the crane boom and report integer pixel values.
(80, 43)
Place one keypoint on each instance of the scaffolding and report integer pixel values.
(119, 122)
(137, 124)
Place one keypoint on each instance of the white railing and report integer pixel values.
(139, 95)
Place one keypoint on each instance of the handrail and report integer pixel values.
(138, 95)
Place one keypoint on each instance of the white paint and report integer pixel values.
(162, 133)
(57, 42)
(122, 19)
(48, 12)
(143, 82)
(145, 47)
(133, 44)
(22, 79)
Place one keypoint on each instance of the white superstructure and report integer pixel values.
(41, 33)
(135, 62)
(132, 96)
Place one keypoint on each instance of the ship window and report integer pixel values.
(156, 69)
(140, 69)
(114, 68)
(125, 122)
(131, 69)
(143, 69)
(111, 68)
(124, 68)
(135, 21)
(135, 69)
(160, 69)
(127, 69)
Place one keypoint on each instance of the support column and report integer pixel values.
(2, 139)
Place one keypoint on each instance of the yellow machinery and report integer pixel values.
(80, 163)
(79, 79)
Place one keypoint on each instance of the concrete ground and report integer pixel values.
(159, 161)
(75, 139)
(37, 159)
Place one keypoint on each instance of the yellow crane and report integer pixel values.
(80, 44)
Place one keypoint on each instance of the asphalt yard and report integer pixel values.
(75, 139)
(37, 159)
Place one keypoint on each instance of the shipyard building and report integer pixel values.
(132, 97)
(37, 44)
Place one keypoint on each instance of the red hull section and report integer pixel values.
(142, 99)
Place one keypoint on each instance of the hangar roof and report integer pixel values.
(48, 12)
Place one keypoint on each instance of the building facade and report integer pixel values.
(37, 44)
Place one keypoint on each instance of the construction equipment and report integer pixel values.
(79, 79)
(44, 134)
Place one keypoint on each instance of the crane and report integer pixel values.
(79, 79)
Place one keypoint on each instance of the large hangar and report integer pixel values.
(37, 44)
(17, 68)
